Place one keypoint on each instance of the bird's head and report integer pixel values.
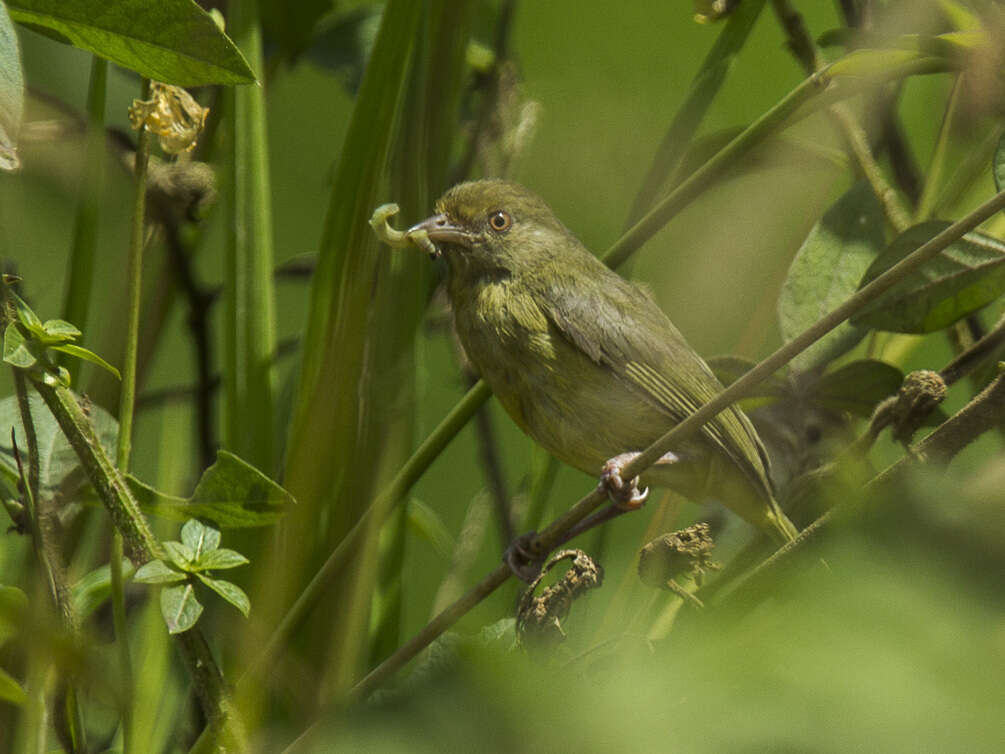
(494, 225)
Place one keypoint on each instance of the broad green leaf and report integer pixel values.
(220, 559)
(95, 588)
(428, 525)
(58, 463)
(200, 538)
(158, 572)
(998, 164)
(229, 591)
(857, 387)
(827, 269)
(231, 493)
(179, 607)
(963, 278)
(16, 350)
(87, 355)
(180, 554)
(11, 93)
(173, 41)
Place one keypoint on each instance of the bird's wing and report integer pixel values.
(617, 325)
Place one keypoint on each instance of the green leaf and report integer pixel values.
(59, 331)
(95, 588)
(998, 164)
(26, 314)
(158, 572)
(231, 493)
(343, 45)
(16, 350)
(827, 269)
(180, 554)
(179, 607)
(199, 538)
(221, 559)
(87, 355)
(229, 591)
(173, 41)
(11, 93)
(59, 466)
(292, 24)
(963, 278)
(857, 387)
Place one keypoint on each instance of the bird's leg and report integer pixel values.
(526, 564)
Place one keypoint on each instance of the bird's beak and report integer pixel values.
(438, 228)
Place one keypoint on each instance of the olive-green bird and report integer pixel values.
(584, 361)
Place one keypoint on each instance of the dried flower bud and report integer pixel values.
(172, 114)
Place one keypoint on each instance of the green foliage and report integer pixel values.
(827, 269)
(26, 341)
(193, 558)
(174, 41)
(961, 280)
(11, 92)
(231, 493)
(58, 464)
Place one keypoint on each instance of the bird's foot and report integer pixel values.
(521, 558)
(624, 495)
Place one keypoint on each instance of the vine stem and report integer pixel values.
(140, 546)
(547, 539)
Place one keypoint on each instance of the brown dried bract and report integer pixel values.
(172, 114)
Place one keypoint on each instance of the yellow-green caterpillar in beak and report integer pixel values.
(400, 239)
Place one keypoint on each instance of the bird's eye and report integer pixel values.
(500, 221)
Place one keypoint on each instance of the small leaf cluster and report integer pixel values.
(188, 561)
(27, 339)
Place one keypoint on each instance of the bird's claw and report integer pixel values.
(521, 559)
(624, 495)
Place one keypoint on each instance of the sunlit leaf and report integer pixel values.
(229, 591)
(200, 538)
(174, 41)
(60, 330)
(157, 572)
(180, 554)
(179, 607)
(429, 525)
(963, 278)
(220, 559)
(827, 269)
(873, 62)
(16, 351)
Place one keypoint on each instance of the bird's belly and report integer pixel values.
(576, 409)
